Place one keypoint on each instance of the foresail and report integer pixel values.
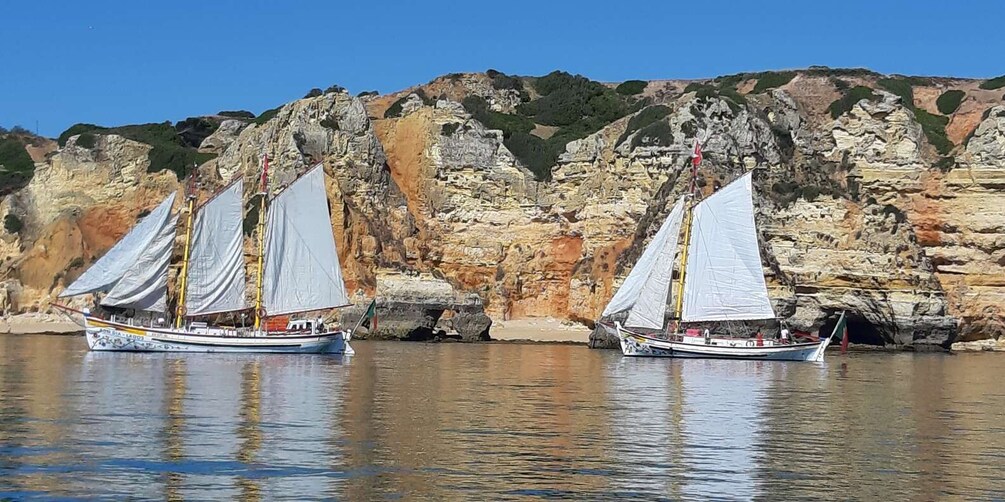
(144, 285)
(301, 270)
(724, 279)
(111, 267)
(645, 291)
(216, 278)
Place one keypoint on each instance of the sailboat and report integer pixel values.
(720, 283)
(298, 272)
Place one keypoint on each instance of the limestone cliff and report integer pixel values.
(879, 195)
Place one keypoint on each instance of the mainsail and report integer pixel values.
(140, 284)
(216, 263)
(724, 278)
(644, 292)
(144, 285)
(301, 269)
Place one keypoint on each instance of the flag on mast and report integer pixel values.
(696, 155)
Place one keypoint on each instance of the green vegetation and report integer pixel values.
(313, 93)
(934, 127)
(170, 149)
(12, 224)
(237, 114)
(631, 87)
(844, 104)
(502, 81)
(194, 130)
(772, 79)
(655, 134)
(367, 93)
(394, 111)
(901, 87)
(993, 83)
(723, 87)
(840, 72)
(267, 115)
(573, 100)
(86, 140)
(17, 166)
(449, 129)
(949, 101)
(644, 119)
(505, 122)
(334, 89)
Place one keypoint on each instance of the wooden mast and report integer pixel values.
(180, 311)
(688, 217)
(261, 240)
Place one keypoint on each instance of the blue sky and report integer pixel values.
(120, 62)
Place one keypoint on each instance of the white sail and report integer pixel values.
(646, 289)
(302, 270)
(724, 278)
(216, 260)
(144, 285)
(111, 267)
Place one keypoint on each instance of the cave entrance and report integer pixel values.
(860, 330)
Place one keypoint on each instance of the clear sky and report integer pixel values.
(120, 62)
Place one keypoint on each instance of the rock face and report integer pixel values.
(410, 307)
(860, 206)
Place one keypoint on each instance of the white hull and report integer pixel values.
(111, 336)
(638, 345)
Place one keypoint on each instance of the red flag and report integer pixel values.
(696, 156)
(265, 171)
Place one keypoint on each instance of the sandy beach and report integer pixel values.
(541, 329)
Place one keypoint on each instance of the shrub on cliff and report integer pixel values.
(643, 119)
(655, 134)
(901, 87)
(949, 101)
(505, 122)
(772, 79)
(993, 83)
(237, 114)
(169, 149)
(631, 87)
(934, 127)
(845, 103)
(87, 140)
(17, 166)
(267, 115)
(567, 99)
(12, 224)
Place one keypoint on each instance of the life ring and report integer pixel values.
(261, 313)
(182, 311)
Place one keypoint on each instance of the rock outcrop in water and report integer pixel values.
(877, 194)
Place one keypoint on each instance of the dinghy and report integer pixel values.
(298, 273)
(720, 285)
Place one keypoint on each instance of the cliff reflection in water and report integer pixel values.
(493, 421)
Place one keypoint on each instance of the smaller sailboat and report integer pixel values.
(298, 272)
(720, 283)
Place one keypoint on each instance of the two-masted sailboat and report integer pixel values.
(298, 272)
(720, 282)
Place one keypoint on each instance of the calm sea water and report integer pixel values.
(453, 421)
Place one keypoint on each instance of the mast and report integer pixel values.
(261, 240)
(688, 217)
(180, 315)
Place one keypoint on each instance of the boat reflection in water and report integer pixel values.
(213, 413)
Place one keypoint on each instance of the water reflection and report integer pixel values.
(494, 422)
